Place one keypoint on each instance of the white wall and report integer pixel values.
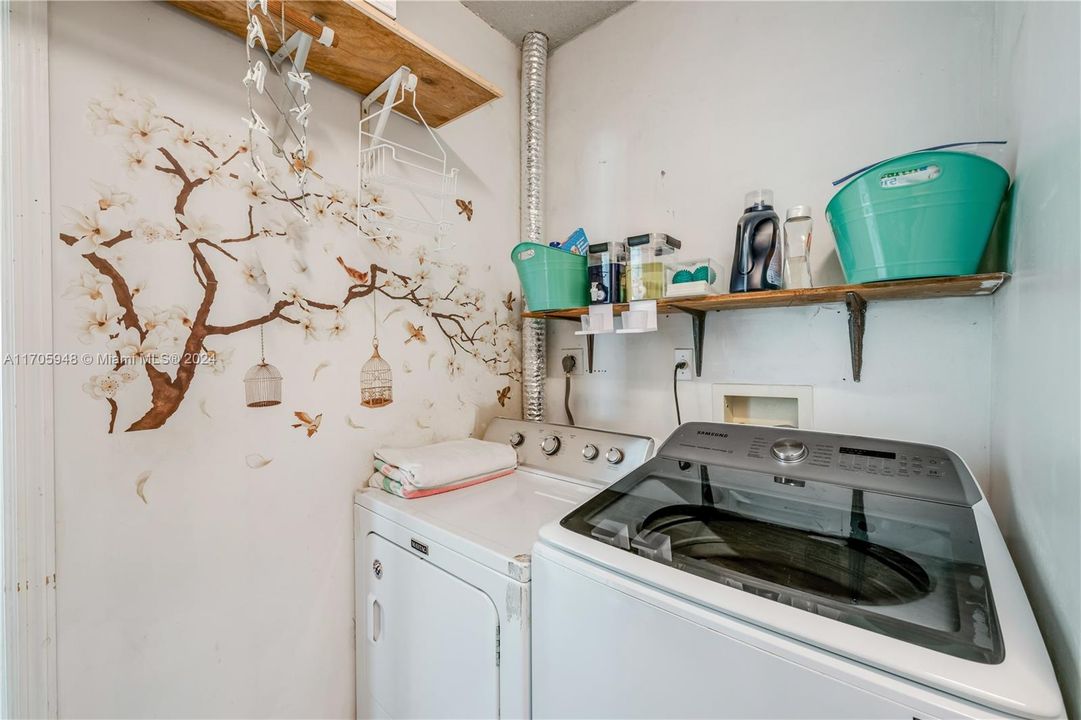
(228, 591)
(661, 117)
(664, 115)
(1036, 335)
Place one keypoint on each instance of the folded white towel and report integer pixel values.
(447, 462)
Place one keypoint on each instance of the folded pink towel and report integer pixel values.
(444, 463)
(397, 487)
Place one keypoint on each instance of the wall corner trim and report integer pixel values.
(29, 540)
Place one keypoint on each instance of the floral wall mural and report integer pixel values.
(170, 345)
(205, 546)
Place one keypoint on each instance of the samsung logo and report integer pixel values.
(712, 434)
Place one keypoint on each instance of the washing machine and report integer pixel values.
(443, 582)
(754, 572)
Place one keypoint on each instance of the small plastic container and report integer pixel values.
(552, 279)
(687, 278)
(647, 256)
(607, 261)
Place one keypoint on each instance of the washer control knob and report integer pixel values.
(550, 445)
(614, 456)
(590, 452)
(516, 439)
(787, 450)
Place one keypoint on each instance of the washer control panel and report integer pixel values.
(894, 467)
(585, 454)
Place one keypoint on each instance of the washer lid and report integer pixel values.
(905, 568)
(494, 523)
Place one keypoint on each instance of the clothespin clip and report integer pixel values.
(256, 76)
(261, 4)
(255, 32)
(260, 168)
(301, 79)
(256, 123)
(302, 113)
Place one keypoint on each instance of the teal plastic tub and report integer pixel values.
(552, 279)
(926, 214)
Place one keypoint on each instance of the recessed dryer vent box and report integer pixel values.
(777, 405)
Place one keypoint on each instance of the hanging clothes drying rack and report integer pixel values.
(383, 164)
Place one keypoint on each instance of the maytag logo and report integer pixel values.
(712, 434)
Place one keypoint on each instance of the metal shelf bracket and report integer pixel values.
(698, 334)
(857, 323)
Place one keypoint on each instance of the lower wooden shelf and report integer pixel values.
(855, 298)
(919, 289)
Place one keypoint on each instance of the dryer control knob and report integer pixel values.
(516, 439)
(787, 450)
(590, 452)
(550, 445)
(614, 456)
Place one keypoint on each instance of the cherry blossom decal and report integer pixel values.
(171, 344)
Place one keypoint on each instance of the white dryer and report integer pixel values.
(752, 572)
(443, 582)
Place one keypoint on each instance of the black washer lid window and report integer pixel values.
(902, 567)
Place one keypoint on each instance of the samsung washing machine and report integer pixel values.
(753, 572)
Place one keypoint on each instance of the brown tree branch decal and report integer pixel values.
(163, 146)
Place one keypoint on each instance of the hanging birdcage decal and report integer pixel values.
(376, 389)
(376, 383)
(263, 382)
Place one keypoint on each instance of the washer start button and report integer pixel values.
(787, 450)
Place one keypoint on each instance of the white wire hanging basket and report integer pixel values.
(383, 164)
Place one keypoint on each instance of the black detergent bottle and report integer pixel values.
(758, 261)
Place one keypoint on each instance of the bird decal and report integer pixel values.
(416, 332)
(360, 278)
(465, 207)
(508, 302)
(306, 422)
(301, 163)
(502, 396)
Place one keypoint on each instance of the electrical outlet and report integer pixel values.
(579, 360)
(684, 355)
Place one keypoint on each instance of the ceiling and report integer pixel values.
(560, 20)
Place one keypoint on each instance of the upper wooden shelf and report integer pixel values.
(370, 47)
(921, 288)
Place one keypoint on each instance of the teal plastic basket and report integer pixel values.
(925, 214)
(552, 279)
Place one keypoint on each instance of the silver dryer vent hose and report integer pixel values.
(534, 78)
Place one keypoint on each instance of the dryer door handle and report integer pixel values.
(375, 619)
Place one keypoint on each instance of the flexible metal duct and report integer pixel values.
(534, 78)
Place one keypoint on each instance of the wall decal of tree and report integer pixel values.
(172, 346)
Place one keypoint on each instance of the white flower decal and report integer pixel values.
(219, 360)
(91, 229)
(196, 228)
(151, 232)
(110, 197)
(99, 321)
(103, 386)
(129, 345)
(90, 284)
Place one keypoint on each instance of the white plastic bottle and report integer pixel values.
(797, 247)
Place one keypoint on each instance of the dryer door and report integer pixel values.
(430, 639)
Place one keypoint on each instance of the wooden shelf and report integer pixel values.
(370, 47)
(923, 288)
(855, 297)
